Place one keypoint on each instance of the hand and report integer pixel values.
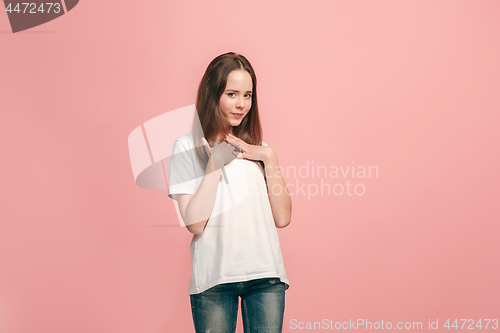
(221, 154)
(251, 152)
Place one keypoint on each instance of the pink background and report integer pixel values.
(408, 86)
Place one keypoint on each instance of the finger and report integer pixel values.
(207, 147)
(235, 146)
(234, 140)
(242, 144)
(205, 143)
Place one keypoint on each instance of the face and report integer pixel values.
(236, 100)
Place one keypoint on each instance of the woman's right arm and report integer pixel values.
(196, 208)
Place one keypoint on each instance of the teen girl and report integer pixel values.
(232, 197)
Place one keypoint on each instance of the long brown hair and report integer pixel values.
(210, 122)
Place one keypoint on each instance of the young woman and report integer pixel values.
(232, 197)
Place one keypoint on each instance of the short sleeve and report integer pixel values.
(183, 175)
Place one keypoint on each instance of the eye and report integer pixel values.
(248, 95)
(231, 94)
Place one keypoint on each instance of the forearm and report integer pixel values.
(201, 204)
(279, 197)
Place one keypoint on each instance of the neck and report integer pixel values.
(220, 137)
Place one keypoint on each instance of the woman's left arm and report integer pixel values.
(279, 197)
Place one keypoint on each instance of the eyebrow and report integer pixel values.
(248, 91)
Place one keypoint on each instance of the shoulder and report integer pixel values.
(185, 142)
(186, 139)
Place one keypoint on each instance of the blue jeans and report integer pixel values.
(262, 307)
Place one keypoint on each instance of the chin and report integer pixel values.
(236, 123)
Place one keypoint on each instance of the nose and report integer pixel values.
(240, 103)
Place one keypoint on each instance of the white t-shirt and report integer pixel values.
(240, 241)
